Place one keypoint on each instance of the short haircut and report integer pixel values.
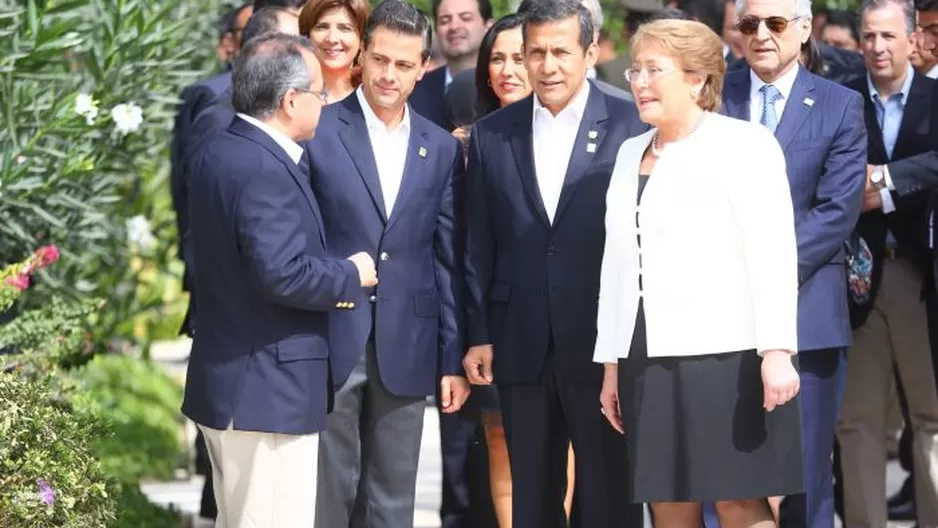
(548, 11)
(908, 11)
(228, 22)
(358, 10)
(926, 5)
(284, 4)
(845, 19)
(402, 18)
(267, 67)
(802, 7)
(695, 47)
(267, 20)
(485, 9)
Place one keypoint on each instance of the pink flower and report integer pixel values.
(47, 255)
(20, 282)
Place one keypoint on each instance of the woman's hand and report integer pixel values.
(462, 134)
(780, 380)
(609, 397)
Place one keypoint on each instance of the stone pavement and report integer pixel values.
(185, 495)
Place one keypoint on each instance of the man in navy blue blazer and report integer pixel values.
(535, 204)
(386, 179)
(821, 129)
(258, 383)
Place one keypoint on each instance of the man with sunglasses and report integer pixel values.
(820, 127)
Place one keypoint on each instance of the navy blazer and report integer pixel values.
(265, 284)
(413, 313)
(823, 135)
(532, 284)
(429, 98)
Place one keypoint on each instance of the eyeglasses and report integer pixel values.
(652, 75)
(749, 24)
(323, 95)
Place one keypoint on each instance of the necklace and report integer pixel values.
(657, 152)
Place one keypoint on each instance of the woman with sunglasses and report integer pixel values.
(336, 28)
(697, 322)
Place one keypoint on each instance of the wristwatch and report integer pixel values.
(878, 177)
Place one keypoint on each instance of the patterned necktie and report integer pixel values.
(770, 94)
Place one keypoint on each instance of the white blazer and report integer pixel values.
(718, 256)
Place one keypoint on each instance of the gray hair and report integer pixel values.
(908, 11)
(596, 12)
(802, 7)
(268, 67)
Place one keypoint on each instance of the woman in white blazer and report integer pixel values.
(698, 294)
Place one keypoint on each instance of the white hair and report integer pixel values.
(596, 12)
(802, 7)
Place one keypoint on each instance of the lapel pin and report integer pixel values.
(422, 152)
(591, 147)
(808, 101)
(593, 134)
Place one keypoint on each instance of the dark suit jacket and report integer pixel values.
(824, 139)
(919, 172)
(413, 314)
(907, 222)
(532, 283)
(429, 98)
(265, 285)
(835, 64)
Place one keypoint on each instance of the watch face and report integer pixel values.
(877, 176)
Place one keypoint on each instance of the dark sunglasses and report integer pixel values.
(749, 24)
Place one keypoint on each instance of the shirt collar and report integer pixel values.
(903, 91)
(448, 79)
(783, 84)
(932, 73)
(371, 119)
(294, 150)
(576, 107)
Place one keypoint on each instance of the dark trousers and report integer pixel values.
(467, 497)
(540, 420)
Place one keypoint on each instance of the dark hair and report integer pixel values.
(228, 22)
(538, 12)
(284, 4)
(485, 9)
(402, 18)
(926, 5)
(812, 60)
(268, 66)
(845, 19)
(708, 12)
(486, 100)
(668, 13)
(267, 20)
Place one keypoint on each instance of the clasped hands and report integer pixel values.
(780, 384)
(872, 199)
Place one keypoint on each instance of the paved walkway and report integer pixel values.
(185, 495)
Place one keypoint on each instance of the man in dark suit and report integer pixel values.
(194, 99)
(258, 382)
(537, 177)
(820, 127)
(387, 179)
(460, 26)
(891, 326)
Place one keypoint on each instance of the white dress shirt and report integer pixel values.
(294, 150)
(554, 137)
(783, 84)
(932, 73)
(718, 258)
(389, 148)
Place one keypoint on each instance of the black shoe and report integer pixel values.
(902, 512)
(905, 494)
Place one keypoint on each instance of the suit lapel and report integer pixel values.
(874, 133)
(413, 168)
(522, 145)
(358, 144)
(911, 116)
(251, 132)
(736, 99)
(797, 108)
(592, 131)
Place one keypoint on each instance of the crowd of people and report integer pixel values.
(698, 277)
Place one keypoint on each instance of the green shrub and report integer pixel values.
(49, 475)
(134, 510)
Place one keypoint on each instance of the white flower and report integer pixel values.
(87, 107)
(127, 118)
(139, 234)
(20, 159)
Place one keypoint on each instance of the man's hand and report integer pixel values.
(872, 200)
(478, 364)
(366, 269)
(454, 390)
(870, 187)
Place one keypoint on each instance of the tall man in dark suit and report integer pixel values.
(820, 127)
(387, 180)
(537, 177)
(258, 382)
(892, 327)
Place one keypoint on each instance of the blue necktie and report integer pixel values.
(770, 94)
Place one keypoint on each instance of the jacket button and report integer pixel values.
(551, 251)
(384, 256)
(372, 298)
(542, 291)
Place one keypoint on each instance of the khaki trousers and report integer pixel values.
(895, 333)
(262, 480)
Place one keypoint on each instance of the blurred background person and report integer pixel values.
(335, 27)
(840, 30)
